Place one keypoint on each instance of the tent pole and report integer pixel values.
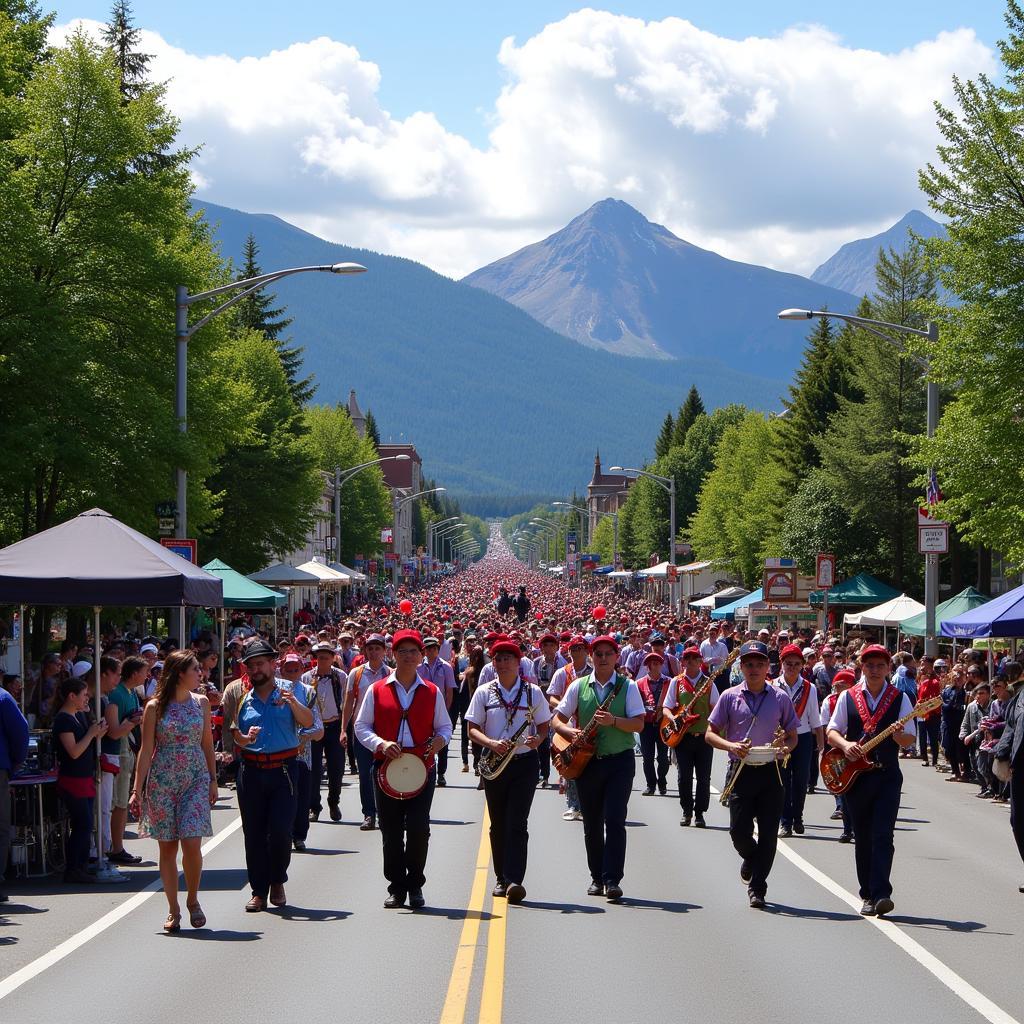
(21, 663)
(182, 640)
(223, 641)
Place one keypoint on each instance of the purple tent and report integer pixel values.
(96, 560)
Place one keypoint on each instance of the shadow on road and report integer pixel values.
(563, 908)
(940, 924)
(452, 913)
(669, 908)
(811, 914)
(216, 935)
(314, 851)
(290, 913)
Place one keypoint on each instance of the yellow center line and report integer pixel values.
(462, 971)
(494, 970)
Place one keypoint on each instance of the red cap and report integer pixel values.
(549, 638)
(791, 651)
(407, 634)
(565, 636)
(605, 639)
(875, 651)
(489, 638)
(654, 657)
(505, 647)
(844, 676)
(691, 651)
(579, 641)
(292, 659)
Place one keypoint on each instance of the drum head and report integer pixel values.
(762, 755)
(403, 777)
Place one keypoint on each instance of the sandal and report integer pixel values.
(196, 917)
(173, 923)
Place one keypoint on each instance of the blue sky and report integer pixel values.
(442, 56)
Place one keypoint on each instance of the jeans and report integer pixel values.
(604, 789)
(928, 733)
(652, 747)
(5, 820)
(694, 757)
(509, 799)
(405, 835)
(267, 799)
(365, 765)
(874, 803)
(330, 748)
(80, 822)
(794, 779)
(457, 712)
(300, 824)
(757, 796)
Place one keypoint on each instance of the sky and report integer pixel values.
(455, 133)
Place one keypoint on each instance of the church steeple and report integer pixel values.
(597, 466)
(358, 419)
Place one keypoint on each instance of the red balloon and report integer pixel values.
(538, 616)
(405, 607)
(599, 612)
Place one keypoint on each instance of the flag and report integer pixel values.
(934, 495)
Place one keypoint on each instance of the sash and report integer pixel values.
(833, 700)
(868, 720)
(805, 694)
(683, 685)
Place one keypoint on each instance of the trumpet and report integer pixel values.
(757, 756)
(492, 764)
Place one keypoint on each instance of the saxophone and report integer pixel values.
(492, 764)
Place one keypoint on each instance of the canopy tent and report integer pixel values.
(1003, 616)
(281, 575)
(889, 613)
(603, 570)
(241, 592)
(963, 602)
(862, 589)
(728, 611)
(327, 576)
(353, 574)
(661, 570)
(620, 574)
(726, 596)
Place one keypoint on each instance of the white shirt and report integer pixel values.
(714, 653)
(486, 712)
(363, 724)
(329, 709)
(811, 718)
(671, 698)
(570, 702)
(490, 673)
(560, 680)
(839, 721)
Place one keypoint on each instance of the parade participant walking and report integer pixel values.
(1008, 756)
(176, 781)
(605, 784)
(361, 678)
(754, 714)
(810, 739)
(874, 798)
(841, 682)
(404, 714)
(693, 756)
(436, 670)
(266, 729)
(303, 766)
(544, 669)
(330, 683)
(930, 685)
(510, 718)
(652, 683)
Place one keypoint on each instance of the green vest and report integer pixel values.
(702, 707)
(609, 741)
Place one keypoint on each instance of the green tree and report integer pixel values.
(977, 185)
(816, 519)
(372, 432)
(122, 36)
(23, 50)
(664, 442)
(688, 413)
(256, 312)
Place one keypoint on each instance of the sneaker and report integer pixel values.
(516, 893)
(369, 824)
(836, 815)
(746, 872)
(846, 837)
(613, 892)
(649, 791)
(867, 908)
(756, 901)
(785, 832)
(798, 827)
(568, 815)
(883, 906)
(700, 822)
(684, 821)
(123, 857)
(577, 815)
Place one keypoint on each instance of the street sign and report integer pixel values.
(780, 563)
(165, 526)
(166, 509)
(825, 572)
(184, 546)
(779, 585)
(385, 535)
(933, 539)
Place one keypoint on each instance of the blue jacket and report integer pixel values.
(13, 733)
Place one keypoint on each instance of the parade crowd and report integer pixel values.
(545, 686)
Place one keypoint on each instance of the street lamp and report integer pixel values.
(182, 332)
(399, 502)
(550, 530)
(432, 527)
(340, 479)
(668, 484)
(931, 333)
(614, 516)
(450, 532)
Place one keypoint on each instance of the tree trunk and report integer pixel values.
(984, 579)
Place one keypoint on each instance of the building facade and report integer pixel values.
(606, 492)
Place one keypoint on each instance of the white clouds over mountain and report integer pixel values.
(771, 150)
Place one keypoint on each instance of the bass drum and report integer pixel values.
(404, 777)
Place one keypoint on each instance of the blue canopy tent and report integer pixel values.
(603, 570)
(1003, 616)
(728, 611)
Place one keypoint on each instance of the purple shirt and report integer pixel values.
(440, 674)
(732, 716)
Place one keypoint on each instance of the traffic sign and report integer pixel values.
(933, 539)
(184, 546)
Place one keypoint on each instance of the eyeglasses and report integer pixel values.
(406, 652)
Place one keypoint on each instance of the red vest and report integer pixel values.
(387, 714)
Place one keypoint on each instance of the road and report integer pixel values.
(682, 943)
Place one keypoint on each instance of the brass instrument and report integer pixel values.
(768, 754)
(492, 764)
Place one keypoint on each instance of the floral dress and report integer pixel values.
(177, 802)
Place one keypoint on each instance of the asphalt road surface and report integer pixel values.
(682, 944)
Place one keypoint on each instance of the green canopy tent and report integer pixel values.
(862, 589)
(963, 602)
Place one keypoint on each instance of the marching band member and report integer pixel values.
(810, 738)
(404, 713)
(359, 681)
(749, 715)
(693, 755)
(652, 682)
(330, 683)
(496, 713)
(265, 729)
(544, 669)
(606, 782)
(841, 682)
(579, 665)
(874, 798)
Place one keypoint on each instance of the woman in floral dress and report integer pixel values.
(177, 761)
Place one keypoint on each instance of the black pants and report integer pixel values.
(652, 747)
(928, 733)
(350, 736)
(457, 713)
(794, 779)
(955, 751)
(80, 821)
(694, 757)
(267, 800)
(604, 789)
(405, 834)
(874, 802)
(756, 797)
(1016, 786)
(544, 759)
(366, 767)
(509, 798)
(442, 754)
(300, 824)
(328, 748)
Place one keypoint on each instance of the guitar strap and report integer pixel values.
(868, 720)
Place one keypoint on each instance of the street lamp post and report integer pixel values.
(550, 530)
(399, 502)
(449, 532)
(668, 484)
(931, 333)
(183, 331)
(340, 479)
(614, 516)
(432, 528)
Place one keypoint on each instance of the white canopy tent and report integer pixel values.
(354, 574)
(325, 574)
(888, 614)
(722, 597)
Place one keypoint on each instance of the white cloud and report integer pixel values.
(771, 150)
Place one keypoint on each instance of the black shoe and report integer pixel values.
(335, 812)
(516, 893)
(79, 876)
(983, 795)
(700, 822)
(663, 790)
(846, 837)
(123, 857)
(480, 784)
(811, 790)
(613, 892)
(883, 906)
(416, 900)
(369, 824)
(798, 827)
(746, 872)
(299, 846)
(4, 898)
(785, 832)
(684, 821)
(500, 890)
(394, 901)
(1020, 888)
(756, 901)
(649, 791)
(867, 908)
(595, 889)
(441, 783)
(836, 815)
(314, 815)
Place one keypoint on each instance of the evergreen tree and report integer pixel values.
(687, 416)
(371, 429)
(256, 312)
(664, 442)
(122, 36)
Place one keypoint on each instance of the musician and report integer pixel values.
(496, 713)
(749, 715)
(606, 782)
(579, 665)
(404, 713)
(439, 672)
(265, 727)
(810, 738)
(544, 669)
(359, 681)
(874, 798)
(652, 683)
(693, 755)
(841, 682)
(330, 683)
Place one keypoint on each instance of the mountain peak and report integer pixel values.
(610, 214)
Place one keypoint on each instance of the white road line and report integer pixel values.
(68, 946)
